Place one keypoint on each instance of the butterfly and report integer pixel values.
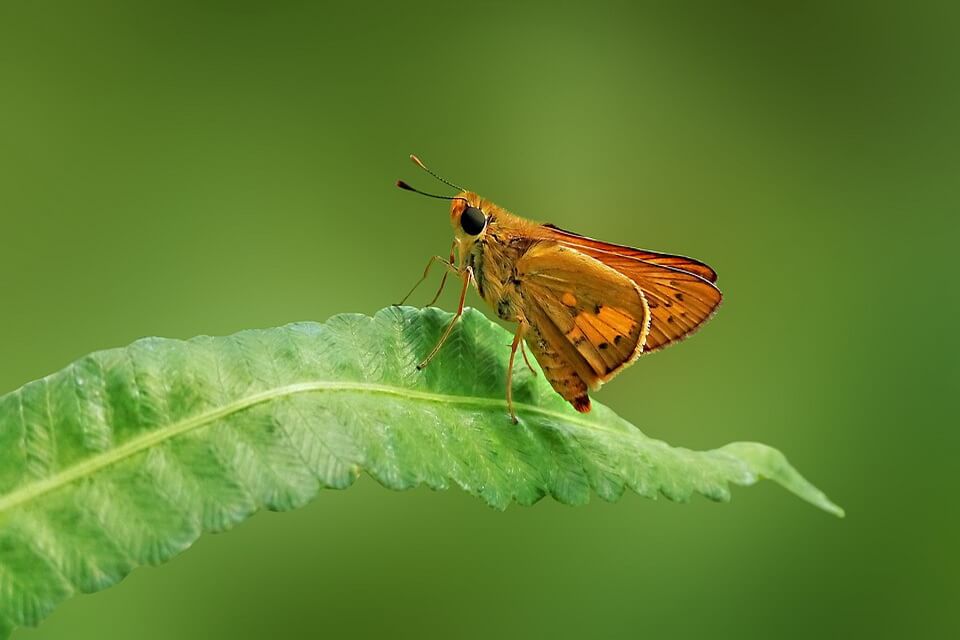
(586, 309)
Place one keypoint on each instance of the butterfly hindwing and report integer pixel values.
(590, 315)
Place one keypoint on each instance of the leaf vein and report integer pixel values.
(143, 442)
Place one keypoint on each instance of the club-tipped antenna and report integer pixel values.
(404, 185)
(417, 161)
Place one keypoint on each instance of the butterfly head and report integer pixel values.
(467, 216)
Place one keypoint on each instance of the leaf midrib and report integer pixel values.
(152, 438)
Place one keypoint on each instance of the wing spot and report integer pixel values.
(670, 319)
(604, 345)
(617, 340)
(678, 296)
(597, 309)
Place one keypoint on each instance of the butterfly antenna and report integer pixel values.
(404, 185)
(420, 164)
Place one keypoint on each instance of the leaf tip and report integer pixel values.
(767, 462)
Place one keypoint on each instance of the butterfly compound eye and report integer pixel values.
(472, 221)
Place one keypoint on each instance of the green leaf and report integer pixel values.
(126, 456)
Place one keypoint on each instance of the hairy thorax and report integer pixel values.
(493, 259)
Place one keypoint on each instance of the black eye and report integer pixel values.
(473, 221)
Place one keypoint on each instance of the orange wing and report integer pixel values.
(679, 301)
(587, 321)
(605, 252)
(679, 290)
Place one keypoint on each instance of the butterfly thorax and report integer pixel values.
(493, 258)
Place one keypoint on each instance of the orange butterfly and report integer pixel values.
(586, 308)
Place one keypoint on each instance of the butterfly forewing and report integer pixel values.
(618, 256)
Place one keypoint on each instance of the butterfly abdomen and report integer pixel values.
(558, 371)
(581, 403)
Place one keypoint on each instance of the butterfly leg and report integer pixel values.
(523, 352)
(467, 275)
(443, 280)
(517, 342)
(447, 263)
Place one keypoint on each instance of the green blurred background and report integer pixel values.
(181, 168)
